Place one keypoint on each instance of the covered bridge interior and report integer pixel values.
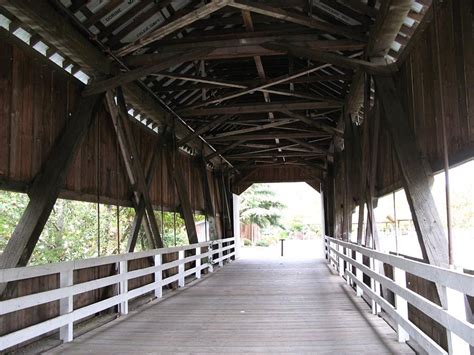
(181, 105)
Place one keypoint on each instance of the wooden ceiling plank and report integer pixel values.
(174, 26)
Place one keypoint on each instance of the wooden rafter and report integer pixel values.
(203, 129)
(268, 83)
(297, 18)
(135, 74)
(332, 58)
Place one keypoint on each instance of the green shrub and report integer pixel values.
(247, 242)
(262, 243)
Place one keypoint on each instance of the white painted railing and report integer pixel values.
(67, 289)
(455, 284)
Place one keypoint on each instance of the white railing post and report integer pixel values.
(158, 276)
(209, 258)
(181, 269)
(375, 286)
(219, 245)
(401, 305)
(347, 252)
(340, 262)
(198, 263)
(123, 269)
(359, 274)
(66, 305)
(456, 306)
(326, 247)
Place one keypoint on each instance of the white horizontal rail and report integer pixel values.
(450, 278)
(460, 331)
(464, 329)
(14, 274)
(64, 293)
(421, 338)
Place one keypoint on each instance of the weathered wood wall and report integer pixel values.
(36, 98)
(422, 90)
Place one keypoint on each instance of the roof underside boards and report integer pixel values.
(262, 82)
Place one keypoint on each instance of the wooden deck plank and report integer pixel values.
(251, 306)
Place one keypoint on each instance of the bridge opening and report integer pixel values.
(281, 216)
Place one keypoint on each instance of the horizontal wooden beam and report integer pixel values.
(298, 18)
(275, 155)
(242, 39)
(245, 47)
(272, 136)
(259, 107)
(221, 85)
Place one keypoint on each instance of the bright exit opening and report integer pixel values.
(276, 213)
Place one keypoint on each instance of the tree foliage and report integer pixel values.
(259, 205)
(72, 229)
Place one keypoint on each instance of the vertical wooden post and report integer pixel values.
(123, 269)
(416, 178)
(198, 263)
(134, 169)
(181, 269)
(66, 278)
(158, 276)
(176, 175)
(401, 304)
(210, 210)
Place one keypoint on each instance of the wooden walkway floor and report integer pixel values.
(269, 305)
